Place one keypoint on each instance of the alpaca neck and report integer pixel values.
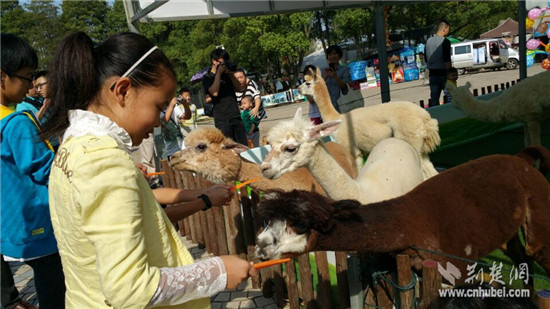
(332, 177)
(484, 110)
(251, 170)
(322, 99)
(372, 230)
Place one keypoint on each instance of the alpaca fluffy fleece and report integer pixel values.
(363, 128)
(526, 102)
(216, 158)
(393, 167)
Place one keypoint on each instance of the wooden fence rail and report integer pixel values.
(475, 91)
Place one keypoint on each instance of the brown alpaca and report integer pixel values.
(363, 128)
(216, 158)
(467, 211)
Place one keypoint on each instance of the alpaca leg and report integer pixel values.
(428, 169)
(532, 133)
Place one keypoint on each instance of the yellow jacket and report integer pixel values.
(112, 234)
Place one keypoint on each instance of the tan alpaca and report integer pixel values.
(215, 157)
(362, 128)
(392, 169)
(526, 102)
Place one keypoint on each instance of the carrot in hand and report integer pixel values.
(270, 263)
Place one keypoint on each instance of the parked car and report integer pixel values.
(483, 54)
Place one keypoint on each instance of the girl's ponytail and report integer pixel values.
(72, 81)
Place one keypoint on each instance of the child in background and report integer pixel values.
(118, 247)
(251, 123)
(26, 229)
(452, 77)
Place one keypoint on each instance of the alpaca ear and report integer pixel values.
(298, 115)
(317, 74)
(271, 195)
(324, 129)
(235, 147)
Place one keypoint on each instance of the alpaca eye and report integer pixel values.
(307, 84)
(300, 227)
(290, 149)
(201, 147)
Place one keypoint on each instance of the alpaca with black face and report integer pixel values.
(466, 211)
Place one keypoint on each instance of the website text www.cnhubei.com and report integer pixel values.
(484, 292)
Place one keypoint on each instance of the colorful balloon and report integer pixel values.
(534, 13)
(545, 64)
(529, 23)
(532, 44)
(530, 60)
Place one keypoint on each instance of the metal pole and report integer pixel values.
(130, 12)
(522, 33)
(382, 54)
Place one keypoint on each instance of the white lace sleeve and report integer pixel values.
(181, 284)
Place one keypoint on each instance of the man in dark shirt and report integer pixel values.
(220, 84)
(438, 55)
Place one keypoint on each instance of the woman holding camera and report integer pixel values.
(336, 76)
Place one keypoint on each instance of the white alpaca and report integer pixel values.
(392, 169)
(526, 102)
(215, 157)
(362, 128)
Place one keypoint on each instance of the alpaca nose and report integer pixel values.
(265, 167)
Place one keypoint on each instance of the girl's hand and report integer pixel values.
(237, 270)
(219, 195)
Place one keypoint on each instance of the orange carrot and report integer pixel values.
(270, 263)
(154, 174)
(237, 187)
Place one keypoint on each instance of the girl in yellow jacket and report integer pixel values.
(117, 246)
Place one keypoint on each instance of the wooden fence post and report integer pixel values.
(502, 86)
(355, 286)
(431, 282)
(422, 104)
(543, 299)
(496, 87)
(507, 85)
(476, 92)
(292, 285)
(342, 279)
(489, 89)
(323, 289)
(306, 281)
(404, 278)
(483, 91)
(513, 82)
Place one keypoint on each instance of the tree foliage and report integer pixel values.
(271, 44)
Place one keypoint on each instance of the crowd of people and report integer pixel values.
(83, 215)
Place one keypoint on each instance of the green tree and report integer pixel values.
(87, 16)
(43, 29)
(355, 24)
(115, 19)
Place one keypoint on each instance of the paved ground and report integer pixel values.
(242, 297)
(412, 91)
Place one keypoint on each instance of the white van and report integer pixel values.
(483, 54)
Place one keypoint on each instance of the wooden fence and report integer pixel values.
(476, 91)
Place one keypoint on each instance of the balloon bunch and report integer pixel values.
(542, 29)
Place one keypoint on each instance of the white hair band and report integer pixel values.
(140, 60)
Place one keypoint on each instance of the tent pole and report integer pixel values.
(382, 53)
(522, 33)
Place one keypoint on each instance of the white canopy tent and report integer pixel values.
(171, 10)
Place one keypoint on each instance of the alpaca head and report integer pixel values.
(313, 84)
(212, 155)
(293, 219)
(293, 144)
(459, 93)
